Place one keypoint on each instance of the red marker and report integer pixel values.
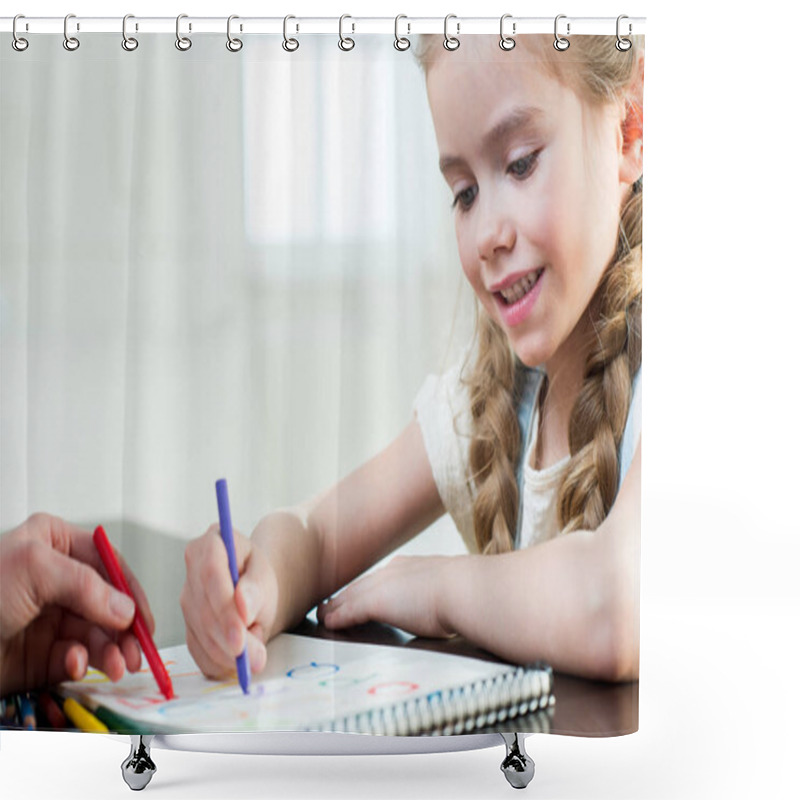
(139, 626)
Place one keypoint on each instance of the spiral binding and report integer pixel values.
(452, 29)
(516, 692)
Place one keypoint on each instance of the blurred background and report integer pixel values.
(215, 265)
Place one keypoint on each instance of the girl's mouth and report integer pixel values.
(516, 301)
(517, 291)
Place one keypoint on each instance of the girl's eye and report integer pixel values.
(522, 166)
(465, 198)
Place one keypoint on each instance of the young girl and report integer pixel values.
(532, 445)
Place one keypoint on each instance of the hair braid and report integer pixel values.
(495, 445)
(600, 412)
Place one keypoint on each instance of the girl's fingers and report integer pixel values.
(249, 598)
(198, 629)
(340, 612)
(355, 605)
(241, 544)
(228, 628)
(216, 663)
(221, 622)
(324, 609)
(256, 652)
(256, 595)
(351, 606)
(207, 589)
(213, 665)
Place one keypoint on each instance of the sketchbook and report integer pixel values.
(314, 684)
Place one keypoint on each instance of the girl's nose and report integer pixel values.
(496, 233)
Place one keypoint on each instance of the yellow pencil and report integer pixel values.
(83, 718)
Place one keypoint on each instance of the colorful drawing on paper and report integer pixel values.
(307, 684)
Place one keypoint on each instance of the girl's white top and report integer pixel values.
(442, 408)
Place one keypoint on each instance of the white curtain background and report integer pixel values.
(214, 264)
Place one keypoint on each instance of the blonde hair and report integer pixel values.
(599, 74)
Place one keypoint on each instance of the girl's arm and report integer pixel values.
(324, 544)
(296, 558)
(572, 601)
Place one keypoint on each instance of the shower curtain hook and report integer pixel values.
(560, 43)
(183, 43)
(451, 42)
(400, 42)
(18, 43)
(233, 45)
(346, 43)
(128, 42)
(623, 45)
(506, 42)
(289, 45)
(70, 42)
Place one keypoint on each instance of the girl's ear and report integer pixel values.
(632, 128)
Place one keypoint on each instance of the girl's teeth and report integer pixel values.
(520, 288)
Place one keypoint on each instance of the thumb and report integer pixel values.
(57, 579)
(249, 598)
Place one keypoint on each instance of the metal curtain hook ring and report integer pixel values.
(183, 43)
(289, 45)
(18, 43)
(346, 43)
(128, 42)
(70, 42)
(400, 42)
(233, 45)
(623, 45)
(506, 42)
(450, 42)
(560, 43)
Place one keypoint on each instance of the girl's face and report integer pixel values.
(538, 179)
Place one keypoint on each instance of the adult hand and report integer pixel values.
(58, 615)
(221, 622)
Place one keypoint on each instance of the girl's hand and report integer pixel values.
(221, 622)
(406, 593)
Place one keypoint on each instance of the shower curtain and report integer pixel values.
(240, 262)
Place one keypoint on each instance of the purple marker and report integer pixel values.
(226, 531)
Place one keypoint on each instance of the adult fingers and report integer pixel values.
(56, 578)
(98, 640)
(129, 646)
(103, 650)
(79, 544)
(68, 661)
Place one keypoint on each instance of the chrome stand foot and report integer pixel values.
(518, 766)
(138, 768)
